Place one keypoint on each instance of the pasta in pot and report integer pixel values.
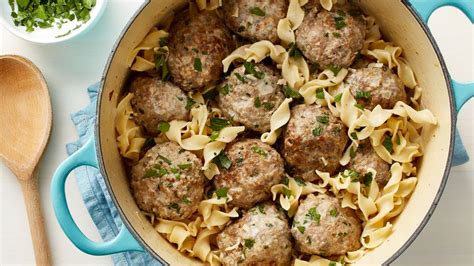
(393, 133)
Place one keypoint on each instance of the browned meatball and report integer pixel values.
(255, 20)
(261, 237)
(322, 227)
(331, 37)
(314, 139)
(366, 157)
(197, 45)
(372, 86)
(157, 101)
(255, 168)
(168, 182)
(249, 100)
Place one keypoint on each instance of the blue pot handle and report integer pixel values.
(462, 92)
(124, 241)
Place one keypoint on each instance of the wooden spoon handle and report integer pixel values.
(35, 219)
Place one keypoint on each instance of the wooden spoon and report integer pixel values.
(25, 125)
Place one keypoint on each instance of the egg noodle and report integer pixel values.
(399, 126)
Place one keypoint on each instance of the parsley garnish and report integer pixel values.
(336, 34)
(163, 41)
(197, 64)
(333, 212)
(186, 200)
(352, 152)
(387, 143)
(163, 127)
(218, 123)
(214, 135)
(260, 151)
(222, 192)
(363, 95)
(332, 263)
(368, 179)
(224, 90)
(291, 93)
(340, 22)
(334, 68)
(287, 192)
(301, 229)
(260, 208)
(257, 11)
(174, 206)
(293, 51)
(163, 158)
(185, 166)
(300, 182)
(338, 97)
(249, 243)
(160, 64)
(240, 77)
(317, 131)
(314, 215)
(268, 105)
(222, 161)
(320, 93)
(323, 119)
(257, 102)
(190, 102)
(354, 136)
(250, 69)
(360, 106)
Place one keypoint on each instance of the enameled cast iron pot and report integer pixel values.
(401, 21)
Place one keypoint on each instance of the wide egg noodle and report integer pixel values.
(148, 47)
(325, 79)
(208, 4)
(294, 17)
(294, 70)
(130, 138)
(279, 118)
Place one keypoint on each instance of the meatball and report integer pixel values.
(372, 86)
(331, 37)
(168, 182)
(197, 45)
(366, 157)
(261, 237)
(251, 99)
(157, 101)
(314, 139)
(255, 20)
(255, 168)
(322, 227)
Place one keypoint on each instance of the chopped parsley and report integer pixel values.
(352, 152)
(354, 136)
(320, 93)
(301, 229)
(314, 215)
(185, 166)
(240, 77)
(248, 243)
(323, 119)
(260, 151)
(268, 105)
(174, 206)
(214, 135)
(257, 11)
(197, 64)
(333, 212)
(368, 179)
(163, 127)
(217, 124)
(164, 159)
(363, 95)
(260, 208)
(163, 41)
(387, 143)
(340, 22)
(222, 161)
(293, 51)
(317, 131)
(334, 68)
(338, 97)
(250, 69)
(257, 103)
(360, 106)
(160, 64)
(186, 200)
(150, 173)
(222, 192)
(224, 90)
(332, 263)
(300, 182)
(336, 34)
(287, 192)
(291, 93)
(190, 102)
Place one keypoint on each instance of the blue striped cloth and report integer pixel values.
(98, 201)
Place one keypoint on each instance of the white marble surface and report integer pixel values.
(70, 67)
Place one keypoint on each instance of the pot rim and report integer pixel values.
(392, 258)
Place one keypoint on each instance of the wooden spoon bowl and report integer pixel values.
(25, 109)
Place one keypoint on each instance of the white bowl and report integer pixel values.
(50, 35)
